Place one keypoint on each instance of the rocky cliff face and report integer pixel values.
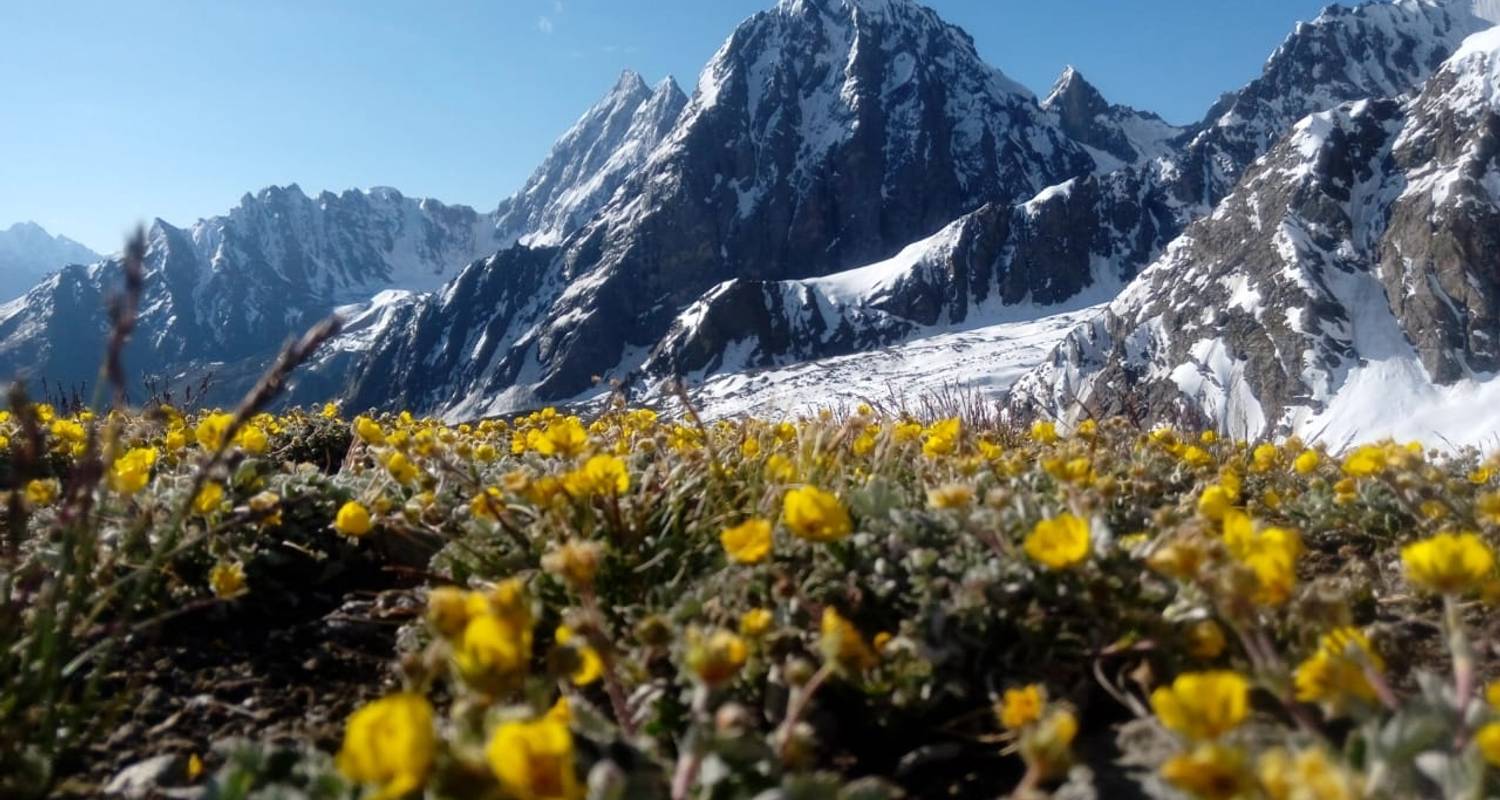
(1354, 266)
(1073, 244)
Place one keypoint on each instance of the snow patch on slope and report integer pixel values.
(981, 363)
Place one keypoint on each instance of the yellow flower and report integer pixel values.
(1308, 775)
(1488, 741)
(1488, 508)
(488, 504)
(211, 429)
(843, 645)
(576, 561)
(942, 438)
(1448, 563)
(1336, 672)
(1366, 461)
(563, 437)
(1178, 559)
(950, 496)
(990, 451)
(1046, 745)
(813, 514)
(779, 468)
(390, 743)
(1264, 457)
(749, 542)
(1270, 553)
(226, 579)
(599, 476)
(353, 520)
(495, 649)
(716, 657)
(534, 760)
(176, 440)
(369, 431)
(330, 411)
(1307, 462)
(1209, 772)
(1481, 476)
(1215, 502)
(1060, 542)
(1203, 705)
(755, 622)
(252, 440)
(907, 431)
(1044, 432)
(131, 472)
(1195, 456)
(401, 468)
(590, 666)
(42, 492)
(1023, 706)
(209, 497)
(68, 432)
(448, 610)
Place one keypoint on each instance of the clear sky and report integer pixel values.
(114, 112)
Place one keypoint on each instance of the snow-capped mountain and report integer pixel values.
(590, 162)
(1378, 49)
(1116, 135)
(28, 252)
(223, 295)
(823, 135)
(1350, 286)
(1072, 245)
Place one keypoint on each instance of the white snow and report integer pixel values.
(1395, 399)
(977, 364)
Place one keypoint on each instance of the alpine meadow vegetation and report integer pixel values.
(629, 604)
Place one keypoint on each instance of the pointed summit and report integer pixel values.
(1117, 135)
(590, 161)
(1074, 96)
(630, 82)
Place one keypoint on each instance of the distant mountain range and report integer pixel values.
(850, 188)
(28, 252)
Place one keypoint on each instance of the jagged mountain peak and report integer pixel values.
(630, 81)
(826, 37)
(28, 252)
(667, 86)
(1116, 135)
(835, 6)
(27, 228)
(1375, 49)
(1070, 85)
(1349, 286)
(590, 161)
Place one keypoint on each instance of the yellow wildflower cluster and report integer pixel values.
(623, 597)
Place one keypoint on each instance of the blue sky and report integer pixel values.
(116, 112)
